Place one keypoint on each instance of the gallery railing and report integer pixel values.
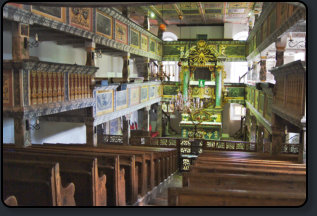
(112, 139)
(287, 148)
(189, 149)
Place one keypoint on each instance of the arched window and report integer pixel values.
(169, 36)
(241, 36)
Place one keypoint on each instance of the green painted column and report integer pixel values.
(218, 85)
(185, 82)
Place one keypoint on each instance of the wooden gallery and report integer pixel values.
(154, 104)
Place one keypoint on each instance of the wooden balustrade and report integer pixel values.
(113, 139)
(287, 148)
(49, 87)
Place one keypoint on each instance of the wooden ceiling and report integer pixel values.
(195, 13)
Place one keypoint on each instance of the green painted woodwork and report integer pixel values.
(218, 87)
(261, 103)
(235, 92)
(185, 83)
(170, 90)
(233, 50)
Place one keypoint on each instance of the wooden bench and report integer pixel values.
(134, 163)
(220, 197)
(108, 164)
(249, 155)
(165, 159)
(83, 171)
(250, 165)
(11, 201)
(245, 182)
(153, 157)
(241, 179)
(36, 183)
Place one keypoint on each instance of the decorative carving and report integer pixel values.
(201, 54)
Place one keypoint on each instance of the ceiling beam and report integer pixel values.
(178, 10)
(95, 4)
(201, 11)
(157, 14)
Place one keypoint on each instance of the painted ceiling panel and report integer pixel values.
(198, 12)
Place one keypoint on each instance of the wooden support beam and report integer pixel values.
(201, 11)
(178, 10)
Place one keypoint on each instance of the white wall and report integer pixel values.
(59, 132)
(8, 130)
(234, 70)
(231, 29)
(109, 66)
(229, 126)
(213, 32)
(52, 52)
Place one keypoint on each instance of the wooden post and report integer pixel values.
(280, 45)
(263, 69)
(126, 129)
(277, 134)
(22, 135)
(91, 132)
(126, 68)
(20, 37)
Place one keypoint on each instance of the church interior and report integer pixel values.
(154, 104)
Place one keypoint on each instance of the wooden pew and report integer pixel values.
(220, 197)
(83, 171)
(245, 182)
(36, 183)
(249, 155)
(250, 165)
(128, 160)
(108, 164)
(165, 159)
(148, 154)
(11, 201)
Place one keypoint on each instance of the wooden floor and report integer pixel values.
(161, 198)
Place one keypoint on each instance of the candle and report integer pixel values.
(36, 37)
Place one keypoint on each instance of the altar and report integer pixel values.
(202, 78)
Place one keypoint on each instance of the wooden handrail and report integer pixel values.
(242, 76)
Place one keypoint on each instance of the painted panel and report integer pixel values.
(234, 51)
(252, 96)
(261, 103)
(104, 102)
(135, 96)
(273, 20)
(103, 24)
(121, 32)
(256, 99)
(170, 90)
(121, 99)
(144, 94)
(144, 42)
(235, 92)
(171, 50)
(7, 88)
(114, 126)
(135, 38)
(159, 49)
(152, 46)
(55, 13)
(268, 109)
(81, 18)
(153, 92)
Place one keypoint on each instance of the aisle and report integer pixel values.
(161, 198)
